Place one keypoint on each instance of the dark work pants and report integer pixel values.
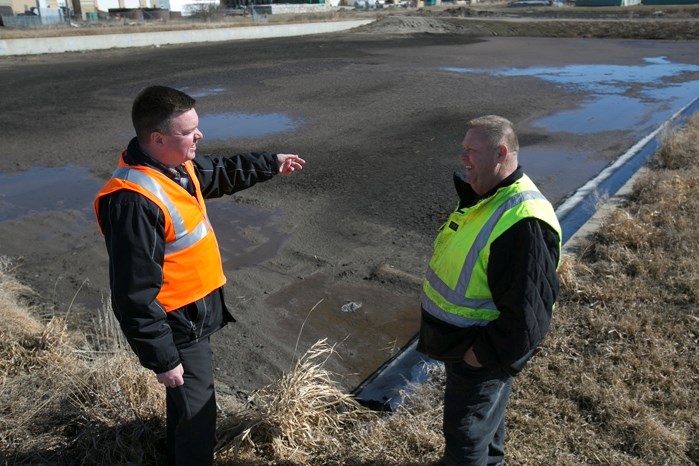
(191, 410)
(474, 415)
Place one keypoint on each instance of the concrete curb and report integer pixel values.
(149, 39)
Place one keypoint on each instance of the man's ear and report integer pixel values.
(156, 138)
(502, 152)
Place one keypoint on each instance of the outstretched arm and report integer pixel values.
(219, 176)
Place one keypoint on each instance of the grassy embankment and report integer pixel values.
(616, 382)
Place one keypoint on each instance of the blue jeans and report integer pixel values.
(475, 401)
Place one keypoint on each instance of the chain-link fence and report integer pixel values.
(119, 16)
(36, 17)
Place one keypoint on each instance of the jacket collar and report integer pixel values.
(468, 197)
(135, 155)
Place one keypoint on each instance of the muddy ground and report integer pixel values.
(335, 251)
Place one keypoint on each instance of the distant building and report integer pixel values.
(670, 2)
(92, 10)
(34, 12)
(188, 7)
(24, 6)
(607, 2)
(106, 5)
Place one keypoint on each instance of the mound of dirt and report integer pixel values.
(413, 25)
(465, 22)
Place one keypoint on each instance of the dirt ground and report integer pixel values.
(335, 251)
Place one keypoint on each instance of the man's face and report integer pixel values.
(179, 143)
(481, 162)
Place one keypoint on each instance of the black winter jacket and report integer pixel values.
(133, 228)
(524, 283)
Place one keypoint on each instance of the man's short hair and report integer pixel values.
(497, 130)
(155, 107)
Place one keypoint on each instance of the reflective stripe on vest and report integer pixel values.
(441, 298)
(183, 238)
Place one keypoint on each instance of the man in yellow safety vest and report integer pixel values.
(489, 290)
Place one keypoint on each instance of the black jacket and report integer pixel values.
(133, 228)
(524, 284)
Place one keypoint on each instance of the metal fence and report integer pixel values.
(27, 21)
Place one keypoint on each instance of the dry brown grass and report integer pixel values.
(616, 381)
(63, 402)
(305, 419)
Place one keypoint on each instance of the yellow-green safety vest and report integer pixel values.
(455, 289)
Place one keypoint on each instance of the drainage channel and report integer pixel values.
(576, 210)
(382, 389)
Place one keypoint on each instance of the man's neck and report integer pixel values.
(148, 154)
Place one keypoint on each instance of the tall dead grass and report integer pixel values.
(616, 382)
(64, 402)
(617, 379)
(305, 419)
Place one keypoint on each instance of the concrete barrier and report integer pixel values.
(148, 39)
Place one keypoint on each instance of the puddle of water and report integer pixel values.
(236, 125)
(203, 91)
(611, 113)
(246, 236)
(636, 98)
(575, 211)
(52, 207)
(614, 78)
(598, 78)
(369, 324)
(46, 189)
(219, 126)
(556, 172)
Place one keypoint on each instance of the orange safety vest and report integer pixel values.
(192, 266)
